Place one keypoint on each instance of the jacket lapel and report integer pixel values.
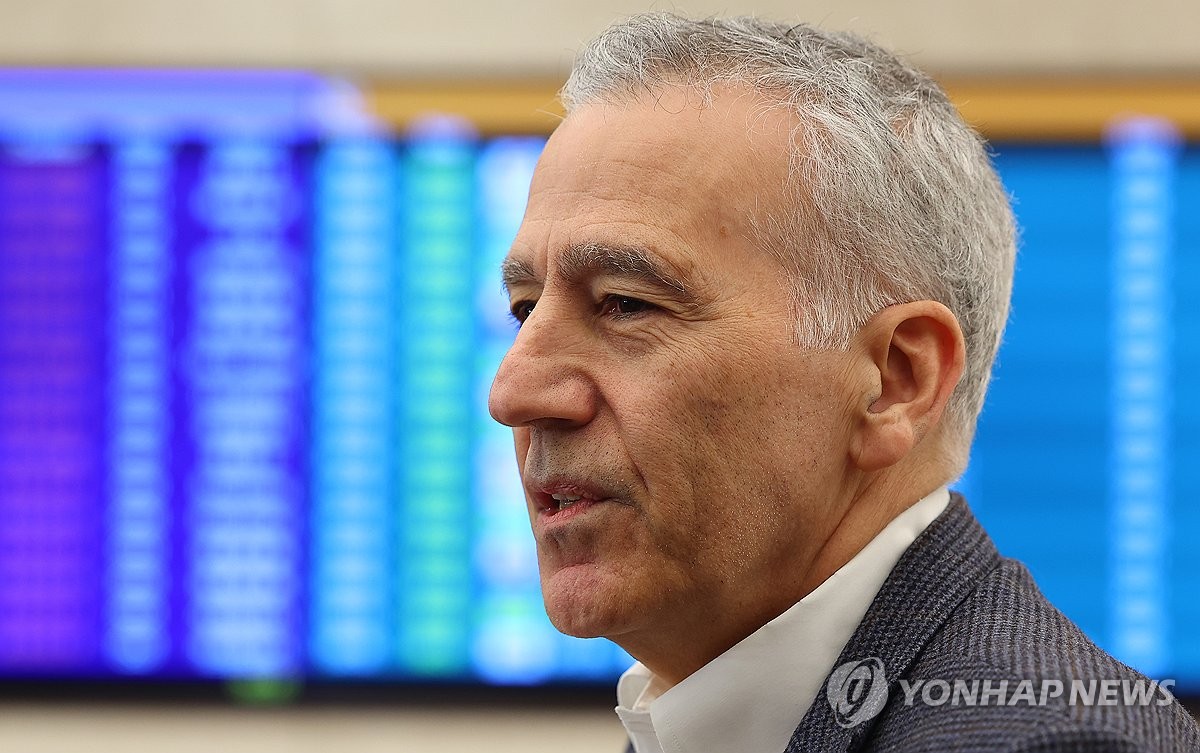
(930, 580)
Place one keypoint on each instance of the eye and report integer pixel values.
(624, 306)
(521, 310)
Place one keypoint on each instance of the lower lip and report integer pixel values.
(555, 516)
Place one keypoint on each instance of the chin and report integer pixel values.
(583, 603)
(576, 626)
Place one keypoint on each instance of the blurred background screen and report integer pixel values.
(247, 334)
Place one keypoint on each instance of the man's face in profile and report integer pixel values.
(678, 450)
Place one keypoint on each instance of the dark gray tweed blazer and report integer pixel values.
(953, 608)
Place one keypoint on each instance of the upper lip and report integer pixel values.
(543, 491)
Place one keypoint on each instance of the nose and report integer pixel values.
(544, 378)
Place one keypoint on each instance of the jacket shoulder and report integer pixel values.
(1009, 672)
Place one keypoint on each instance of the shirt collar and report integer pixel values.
(752, 696)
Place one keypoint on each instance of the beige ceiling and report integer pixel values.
(483, 38)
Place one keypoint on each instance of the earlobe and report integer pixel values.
(914, 353)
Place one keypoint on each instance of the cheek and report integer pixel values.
(732, 444)
(718, 407)
(686, 437)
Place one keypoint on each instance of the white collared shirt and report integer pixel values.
(750, 698)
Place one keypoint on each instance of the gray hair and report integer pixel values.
(896, 197)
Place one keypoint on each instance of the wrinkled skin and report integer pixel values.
(719, 447)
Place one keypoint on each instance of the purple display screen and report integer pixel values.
(53, 291)
(154, 374)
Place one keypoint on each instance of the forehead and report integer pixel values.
(663, 172)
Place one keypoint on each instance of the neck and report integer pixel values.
(880, 499)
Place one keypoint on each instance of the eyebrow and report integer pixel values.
(579, 261)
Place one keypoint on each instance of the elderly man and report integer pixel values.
(761, 279)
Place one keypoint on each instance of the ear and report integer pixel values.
(913, 355)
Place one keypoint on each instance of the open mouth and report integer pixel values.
(566, 500)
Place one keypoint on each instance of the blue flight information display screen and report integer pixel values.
(246, 340)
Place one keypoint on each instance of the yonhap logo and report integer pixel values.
(857, 691)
